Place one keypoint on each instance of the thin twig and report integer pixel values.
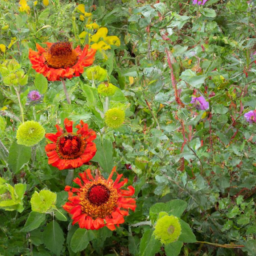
(231, 246)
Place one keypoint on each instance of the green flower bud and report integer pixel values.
(114, 117)
(96, 73)
(107, 89)
(167, 229)
(30, 133)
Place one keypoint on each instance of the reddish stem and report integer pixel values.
(174, 84)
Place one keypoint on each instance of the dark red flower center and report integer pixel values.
(70, 145)
(60, 49)
(61, 55)
(98, 194)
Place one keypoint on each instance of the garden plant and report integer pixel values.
(127, 127)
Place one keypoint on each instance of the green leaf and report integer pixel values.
(43, 201)
(81, 239)
(149, 246)
(104, 155)
(91, 95)
(41, 83)
(53, 237)
(187, 235)
(174, 207)
(60, 215)
(173, 249)
(18, 156)
(20, 190)
(194, 80)
(207, 12)
(34, 220)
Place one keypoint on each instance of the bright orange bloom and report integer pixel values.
(99, 202)
(59, 60)
(71, 150)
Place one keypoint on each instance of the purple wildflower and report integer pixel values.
(199, 2)
(250, 116)
(34, 96)
(200, 103)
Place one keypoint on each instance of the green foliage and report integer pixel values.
(196, 165)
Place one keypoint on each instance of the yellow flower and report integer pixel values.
(24, 6)
(4, 108)
(45, 2)
(81, 17)
(35, 3)
(100, 46)
(101, 33)
(131, 80)
(92, 26)
(13, 41)
(84, 34)
(114, 117)
(81, 8)
(5, 27)
(113, 40)
(2, 48)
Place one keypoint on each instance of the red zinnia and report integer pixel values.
(59, 60)
(71, 150)
(99, 202)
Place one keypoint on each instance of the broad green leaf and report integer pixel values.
(91, 95)
(18, 156)
(81, 239)
(187, 235)
(173, 249)
(53, 237)
(209, 13)
(191, 78)
(41, 83)
(34, 220)
(60, 215)
(20, 190)
(149, 246)
(43, 201)
(104, 155)
(174, 207)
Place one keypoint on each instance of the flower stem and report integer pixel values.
(65, 90)
(106, 104)
(222, 245)
(21, 108)
(69, 177)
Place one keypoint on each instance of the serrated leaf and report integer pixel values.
(34, 220)
(104, 155)
(18, 156)
(41, 83)
(81, 239)
(53, 237)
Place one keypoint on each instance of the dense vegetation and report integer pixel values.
(162, 159)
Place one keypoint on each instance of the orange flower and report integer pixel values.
(70, 150)
(99, 202)
(59, 60)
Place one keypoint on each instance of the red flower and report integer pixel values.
(71, 150)
(59, 60)
(99, 202)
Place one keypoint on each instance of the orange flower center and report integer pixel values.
(70, 146)
(98, 194)
(98, 199)
(61, 55)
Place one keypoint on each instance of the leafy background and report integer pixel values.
(168, 149)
